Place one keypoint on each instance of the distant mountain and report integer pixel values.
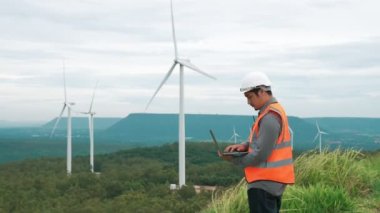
(164, 127)
(146, 126)
(16, 124)
(143, 129)
(348, 125)
(82, 123)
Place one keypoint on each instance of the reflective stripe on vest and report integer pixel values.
(279, 165)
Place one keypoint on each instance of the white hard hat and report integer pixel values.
(253, 80)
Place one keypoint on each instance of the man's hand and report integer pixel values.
(232, 148)
(225, 157)
(236, 148)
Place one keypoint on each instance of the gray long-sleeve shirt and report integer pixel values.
(262, 146)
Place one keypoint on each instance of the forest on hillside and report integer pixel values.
(135, 180)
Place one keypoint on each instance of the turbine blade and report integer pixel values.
(323, 133)
(64, 78)
(162, 83)
(173, 30)
(93, 96)
(188, 64)
(316, 137)
(319, 130)
(231, 137)
(57, 121)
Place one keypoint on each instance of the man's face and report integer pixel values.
(253, 99)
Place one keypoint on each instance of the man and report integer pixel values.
(268, 166)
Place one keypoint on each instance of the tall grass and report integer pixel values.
(317, 198)
(233, 199)
(326, 182)
(337, 168)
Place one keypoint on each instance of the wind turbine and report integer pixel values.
(234, 136)
(319, 133)
(91, 114)
(291, 136)
(250, 131)
(67, 105)
(182, 63)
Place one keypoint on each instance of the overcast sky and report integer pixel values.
(323, 56)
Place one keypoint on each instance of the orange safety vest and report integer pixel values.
(279, 165)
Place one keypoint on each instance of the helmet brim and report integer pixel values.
(263, 87)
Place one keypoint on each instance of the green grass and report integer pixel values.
(344, 169)
(337, 181)
(317, 198)
(372, 205)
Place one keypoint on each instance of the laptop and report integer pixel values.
(234, 154)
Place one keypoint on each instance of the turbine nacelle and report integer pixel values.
(88, 113)
(68, 104)
(179, 60)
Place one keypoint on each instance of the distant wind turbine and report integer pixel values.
(319, 134)
(250, 130)
(234, 136)
(91, 114)
(291, 136)
(182, 63)
(67, 105)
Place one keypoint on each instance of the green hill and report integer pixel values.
(14, 124)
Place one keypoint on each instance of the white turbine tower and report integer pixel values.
(182, 63)
(234, 136)
(91, 114)
(319, 133)
(67, 105)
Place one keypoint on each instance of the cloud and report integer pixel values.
(317, 53)
(351, 56)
